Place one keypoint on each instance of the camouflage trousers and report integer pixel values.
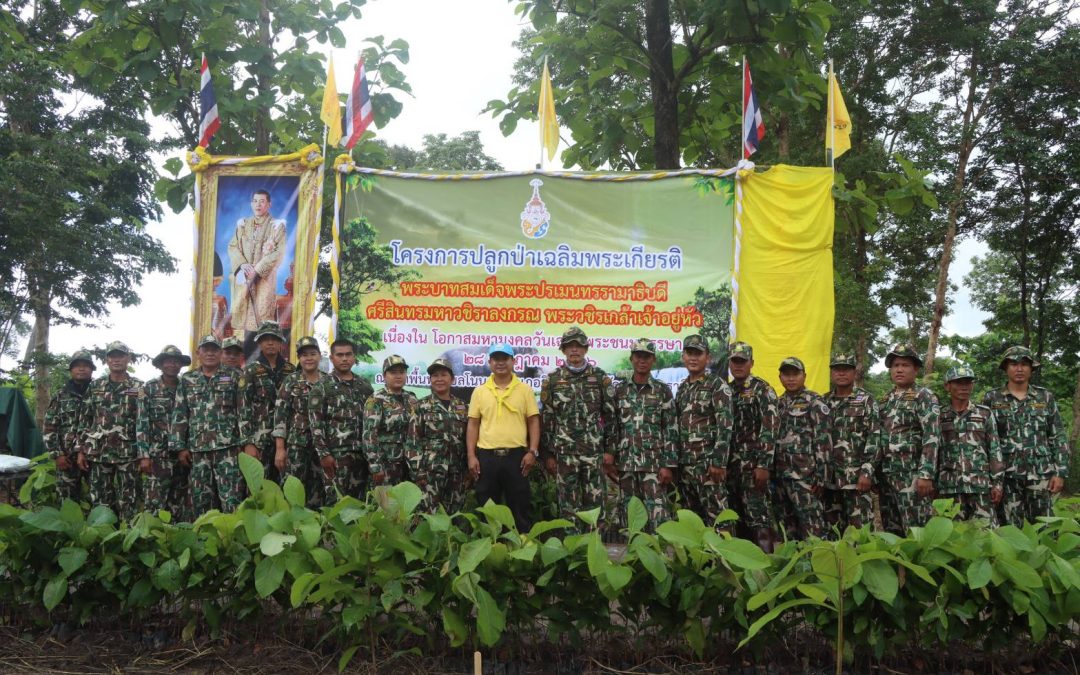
(701, 494)
(117, 486)
(800, 510)
(901, 506)
(579, 485)
(350, 479)
(168, 488)
(445, 488)
(216, 481)
(302, 462)
(1025, 500)
(270, 472)
(844, 507)
(69, 483)
(973, 505)
(645, 485)
(752, 505)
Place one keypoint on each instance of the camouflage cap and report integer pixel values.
(959, 372)
(1018, 353)
(902, 351)
(117, 346)
(695, 342)
(173, 351)
(209, 341)
(440, 363)
(741, 351)
(842, 359)
(306, 342)
(393, 361)
(81, 355)
(269, 329)
(231, 343)
(793, 362)
(574, 334)
(644, 345)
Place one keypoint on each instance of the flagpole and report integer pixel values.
(830, 152)
(742, 118)
(540, 164)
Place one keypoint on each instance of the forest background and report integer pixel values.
(965, 114)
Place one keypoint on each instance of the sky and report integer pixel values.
(453, 74)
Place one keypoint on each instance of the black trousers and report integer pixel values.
(501, 482)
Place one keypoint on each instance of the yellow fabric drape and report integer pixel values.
(786, 271)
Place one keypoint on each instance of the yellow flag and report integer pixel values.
(331, 106)
(545, 112)
(839, 131)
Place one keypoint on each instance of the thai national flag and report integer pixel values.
(358, 113)
(753, 129)
(209, 122)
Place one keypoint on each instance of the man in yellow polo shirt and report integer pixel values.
(502, 437)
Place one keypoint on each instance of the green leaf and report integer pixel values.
(294, 491)
(979, 573)
(548, 525)
(618, 576)
(1021, 573)
(597, 556)
(1016, 538)
(455, 627)
(268, 575)
(408, 496)
(590, 517)
(652, 561)
(687, 530)
(1037, 625)
(773, 614)
(46, 519)
(101, 515)
(936, 532)
(55, 591)
(253, 472)
(490, 619)
(71, 559)
(695, 635)
(301, 588)
(636, 517)
(740, 553)
(472, 554)
(880, 579)
(167, 577)
(274, 542)
(346, 656)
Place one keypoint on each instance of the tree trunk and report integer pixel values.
(862, 347)
(1025, 316)
(262, 78)
(41, 303)
(662, 84)
(1074, 435)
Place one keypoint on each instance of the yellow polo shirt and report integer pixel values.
(499, 426)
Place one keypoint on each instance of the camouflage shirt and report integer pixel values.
(855, 427)
(107, 427)
(437, 435)
(1032, 436)
(156, 402)
(205, 415)
(387, 420)
(803, 443)
(577, 412)
(291, 419)
(61, 427)
(705, 418)
(645, 427)
(756, 420)
(259, 386)
(336, 414)
(969, 460)
(910, 434)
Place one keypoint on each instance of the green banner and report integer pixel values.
(446, 267)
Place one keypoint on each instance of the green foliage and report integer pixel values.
(378, 572)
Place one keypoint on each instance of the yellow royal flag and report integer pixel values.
(331, 106)
(545, 112)
(839, 132)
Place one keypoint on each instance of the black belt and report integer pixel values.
(501, 452)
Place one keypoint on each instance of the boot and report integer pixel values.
(764, 537)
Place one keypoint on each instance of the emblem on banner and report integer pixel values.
(535, 219)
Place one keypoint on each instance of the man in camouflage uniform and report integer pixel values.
(803, 447)
(645, 450)
(61, 428)
(336, 414)
(910, 438)
(205, 432)
(577, 420)
(705, 419)
(855, 428)
(294, 453)
(753, 446)
(107, 433)
(436, 454)
(970, 467)
(259, 386)
(1032, 437)
(166, 480)
(232, 353)
(388, 415)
